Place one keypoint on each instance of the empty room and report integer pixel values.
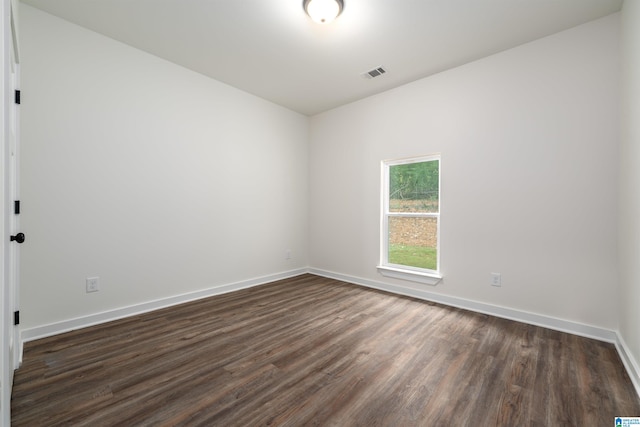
(321, 212)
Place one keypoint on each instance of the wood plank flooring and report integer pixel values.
(314, 351)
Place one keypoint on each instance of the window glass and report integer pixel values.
(411, 213)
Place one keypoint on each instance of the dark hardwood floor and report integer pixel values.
(315, 351)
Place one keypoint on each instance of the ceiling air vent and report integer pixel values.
(374, 73)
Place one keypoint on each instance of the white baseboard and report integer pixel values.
(574, 328)
(629, 362)
(119, 313)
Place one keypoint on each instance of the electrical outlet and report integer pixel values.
(496, 279)
(287, 254)
(93, 284)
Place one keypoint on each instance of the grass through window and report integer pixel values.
(415, 256)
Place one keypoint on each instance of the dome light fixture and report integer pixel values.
(323, 11)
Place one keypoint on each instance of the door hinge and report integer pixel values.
(16, 207)
(18, 96)
(16, 318)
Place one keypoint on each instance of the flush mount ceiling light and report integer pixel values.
(323, 11)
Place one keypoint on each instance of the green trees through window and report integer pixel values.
(415, 182)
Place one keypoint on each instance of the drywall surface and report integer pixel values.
(529, 145)
(629, 231)
(155, 179)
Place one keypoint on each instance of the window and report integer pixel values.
(410, 244)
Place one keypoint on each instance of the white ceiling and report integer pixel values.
(272, 49)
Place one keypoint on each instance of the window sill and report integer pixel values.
(413, 276)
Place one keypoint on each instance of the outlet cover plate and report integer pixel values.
(93, 284)
(496, 279)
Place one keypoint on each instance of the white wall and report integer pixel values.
(529, 143)
(629, 231)
(156, 179)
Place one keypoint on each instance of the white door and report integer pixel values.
(11, 236)
(14, 190)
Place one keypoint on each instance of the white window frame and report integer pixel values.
(404, 272)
